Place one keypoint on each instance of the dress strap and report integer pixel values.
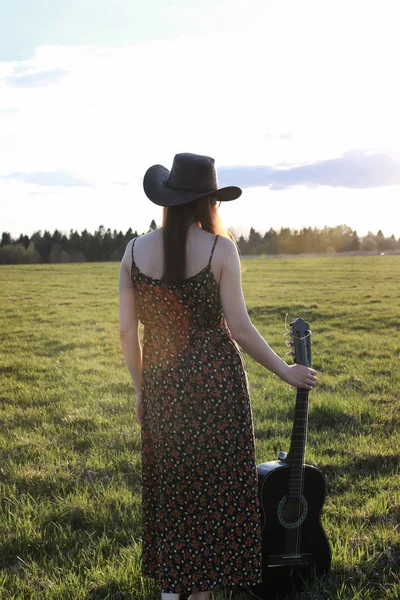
(133, 260)
(212, 251)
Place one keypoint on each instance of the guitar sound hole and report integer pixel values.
(292, 511)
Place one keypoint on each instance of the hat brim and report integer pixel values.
(156, 190)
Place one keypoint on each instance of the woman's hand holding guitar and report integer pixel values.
(300, 376)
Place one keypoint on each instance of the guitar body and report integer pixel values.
(282, 571)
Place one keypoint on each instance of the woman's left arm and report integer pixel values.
(129, 324)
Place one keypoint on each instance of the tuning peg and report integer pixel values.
(289, 343)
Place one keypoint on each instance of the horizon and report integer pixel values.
(306, 126)
(236, 230)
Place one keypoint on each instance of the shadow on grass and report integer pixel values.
(330, 417)
(55, 347)
(322, 417)
(67, 479)
(6, 400)
(74, 534)
(113, 591)
(19, 373)
(361, 467)
(374, 577)
(355, 472)
(391, 517)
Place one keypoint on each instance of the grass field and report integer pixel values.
(70, 470)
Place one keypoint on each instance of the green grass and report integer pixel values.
(70, 471)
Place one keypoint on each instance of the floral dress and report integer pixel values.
(201, 524)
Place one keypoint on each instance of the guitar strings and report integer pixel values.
(300, 505)
(300, 502)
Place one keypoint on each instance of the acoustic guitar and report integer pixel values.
(294, 544)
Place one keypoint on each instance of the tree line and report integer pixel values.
(46, 247)
(328, 240)
(107, 245)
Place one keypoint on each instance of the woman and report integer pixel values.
(200, 506)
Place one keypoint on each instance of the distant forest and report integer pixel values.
(107, 245)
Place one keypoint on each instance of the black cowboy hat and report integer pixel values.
(192, 176)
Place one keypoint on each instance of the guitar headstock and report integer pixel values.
(300, 340)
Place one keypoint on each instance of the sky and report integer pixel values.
(296, 101)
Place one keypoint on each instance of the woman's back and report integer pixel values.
(149, 255)
(224, 268)
(183, 317)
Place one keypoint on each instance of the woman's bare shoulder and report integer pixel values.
(138, 240)
(226, 249)
(150, 238)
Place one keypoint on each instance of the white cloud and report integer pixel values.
(355, 169)
(35, 79)
(58, 178)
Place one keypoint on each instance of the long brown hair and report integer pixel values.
(176, 223)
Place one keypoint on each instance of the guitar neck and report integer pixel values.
(298, 444)
(300, 333)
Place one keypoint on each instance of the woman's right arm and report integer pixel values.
(244, 332)
(129, 323)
